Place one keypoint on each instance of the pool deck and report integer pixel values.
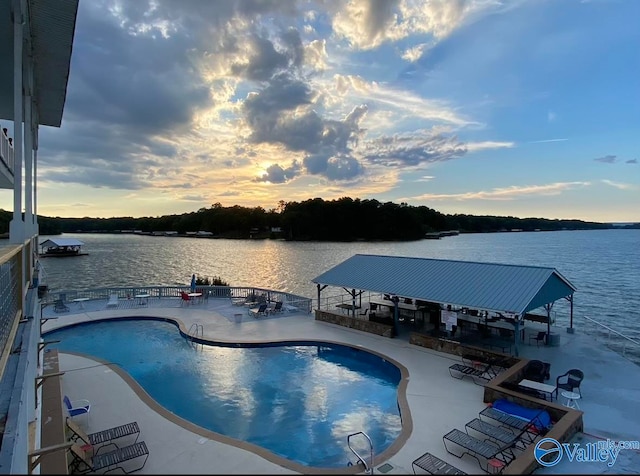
(437, 402)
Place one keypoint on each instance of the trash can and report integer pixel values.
(554, 339)
(42, 290)
(238, 318)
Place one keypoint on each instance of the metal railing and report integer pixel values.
(9, 295)
(626, 346)
(6, 152)
(368, 467)
(290, 301)
(19, 361)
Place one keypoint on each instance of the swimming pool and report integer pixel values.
(299, 400)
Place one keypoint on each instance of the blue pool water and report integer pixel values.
(298, 401)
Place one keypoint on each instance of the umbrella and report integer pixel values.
(193, 283)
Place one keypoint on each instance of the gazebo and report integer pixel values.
(507, 289)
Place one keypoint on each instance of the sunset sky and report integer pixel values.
(527, 108)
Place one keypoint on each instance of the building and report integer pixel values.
(36, 41)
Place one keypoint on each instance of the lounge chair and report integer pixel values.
(496, 457)
(506, 420)
(276, 308)
(481, 373)
(527, 428)
(60, 306)
(570, 380)
(113, 300)
(82, 463)
(494, 433)
(77, 407)
(101, 439)
(259, 311)
(434, 465)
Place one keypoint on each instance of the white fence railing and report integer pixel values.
(626, 346)
(301, 303)
(6, 152)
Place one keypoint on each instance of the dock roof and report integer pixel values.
(488, 286)
(61, 242)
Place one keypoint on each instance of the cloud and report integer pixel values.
(632, 161)
(163, 96)
(406, 104)
(276, 174)
(506, 193)
(367, 25)
(414, 53)
(607, 159)
(619, 185)
(476, 146)
(551, 116)
(544, 141)
(413, 149)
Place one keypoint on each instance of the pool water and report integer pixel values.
(298, 401)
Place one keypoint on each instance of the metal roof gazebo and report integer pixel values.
(504, 288)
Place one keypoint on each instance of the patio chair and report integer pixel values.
(113, 300)
(540, 337)
(537, 371)
(82, 463)
(77, 407)
(276, 308)
(259, 311)
(103, 438)
(60, 306)
(185, 298)
(571, 380)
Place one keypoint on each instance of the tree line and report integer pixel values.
(343, 219)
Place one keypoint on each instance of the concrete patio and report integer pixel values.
(436, 402)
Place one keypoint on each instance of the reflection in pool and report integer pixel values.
(298, 401)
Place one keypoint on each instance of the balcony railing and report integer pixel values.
(6, 153)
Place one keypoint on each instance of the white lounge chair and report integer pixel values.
(113, 300)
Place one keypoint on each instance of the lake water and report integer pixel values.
(604, 265)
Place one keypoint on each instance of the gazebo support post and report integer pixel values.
(395, 300)
(516, 335)
(570, 329)
(548, 308)
(319, 290)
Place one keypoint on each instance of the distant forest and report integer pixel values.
(344, 219)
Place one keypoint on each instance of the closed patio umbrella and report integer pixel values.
(193, 283)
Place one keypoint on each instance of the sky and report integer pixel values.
(526, 108)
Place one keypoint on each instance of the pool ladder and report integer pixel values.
(196, 330)
(368, 467)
